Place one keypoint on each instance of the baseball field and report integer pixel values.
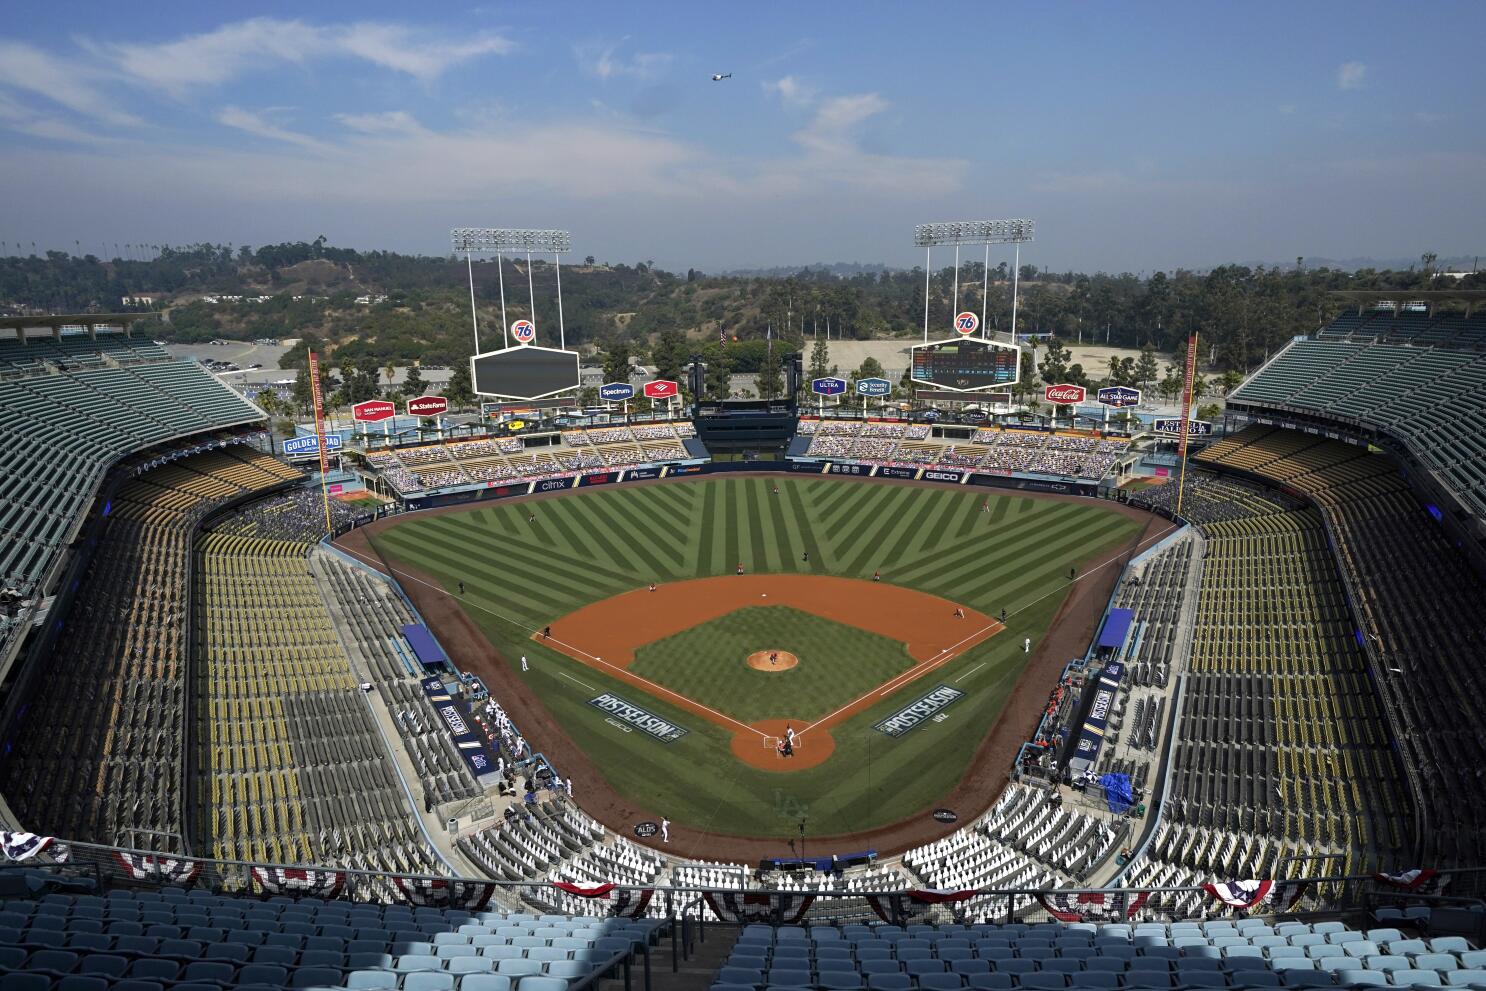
(879, 598)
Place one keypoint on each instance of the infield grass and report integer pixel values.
(587, 546)
(708, 663)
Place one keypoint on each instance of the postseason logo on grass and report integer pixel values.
(925, 708)
(628, 712)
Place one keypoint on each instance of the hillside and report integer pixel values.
(378, 307)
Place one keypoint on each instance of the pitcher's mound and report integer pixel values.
(783, 660)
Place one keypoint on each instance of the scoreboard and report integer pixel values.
(966, 365)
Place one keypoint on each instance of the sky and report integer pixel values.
(1138, 136)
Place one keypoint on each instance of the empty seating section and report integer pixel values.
(991, 448)
(464, 462)
(74, 351)
(98, 748)
(1420, 605)
(1449, 329)
(1023, 841)
(532, 844)
(64, 429)
(290, 766)
(149, 940)
(370, 618)
(1430, 398)
(1282, 749)
(1248, 953)
(1155, 590)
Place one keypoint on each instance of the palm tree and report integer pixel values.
(389, 370)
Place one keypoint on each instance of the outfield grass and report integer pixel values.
(583, 547)
(708, 663)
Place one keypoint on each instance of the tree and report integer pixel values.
(1229, 381)
(459, 391)
(870, 368)
(1054, 365)
(771, 376)
(1199, 387)
(1209, 412)
(719, 375)
(1145, 367)
(389, 371)
(670, 355)
(1027, 379)
(616, 362)
(414, 385)
(1171, 385)
(820, 358)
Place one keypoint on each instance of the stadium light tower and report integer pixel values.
(499, 240)
(986, 232)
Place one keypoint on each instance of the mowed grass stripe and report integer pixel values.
(495, 546)
(936, 531)
(1015, 585)
(825, 496)
(806, 525)
(786, 536)
(560, 585)
(887, 514)
(921, 522)
(632, 548)
(853, 510)
(666, 523)
(1000, 509)
(730, 514)
(659, 542)
(703, 533)
(1007, 551)
(562, 518)
(970, 512)
(763, 550)
(867, 542)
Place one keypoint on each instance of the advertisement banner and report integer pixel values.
(911, 716)
(642, 719)
(456, 719)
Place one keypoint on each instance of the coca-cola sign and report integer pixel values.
(428, 406)
(1064, 395)
(373, 410)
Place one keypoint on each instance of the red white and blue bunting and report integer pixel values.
(1239, 894)
(901, 907)
(787, 908)
(23, 846)
(157, 869)
(300, 881)
(627, 902)
(1092, 906)
(472, 896)
(1419, 881)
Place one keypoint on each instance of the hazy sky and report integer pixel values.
(1139, 136)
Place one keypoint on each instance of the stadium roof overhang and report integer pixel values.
(53, 323)
(1471, 299)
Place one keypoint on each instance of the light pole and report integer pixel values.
(986, 232)
(498, 240)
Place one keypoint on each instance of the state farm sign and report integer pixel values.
(373, 410)
(428, 406)
(1064, 395)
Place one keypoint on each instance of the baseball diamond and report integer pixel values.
(874, 587)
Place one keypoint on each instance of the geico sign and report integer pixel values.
(1064, 395)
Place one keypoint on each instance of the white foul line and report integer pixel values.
(970, 672)
(576, 681)
(660, 689)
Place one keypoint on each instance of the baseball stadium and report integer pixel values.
(745, 694)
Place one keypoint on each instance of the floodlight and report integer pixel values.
(974, 232)
(509, 239)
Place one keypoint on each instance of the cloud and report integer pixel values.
(21, 119)
(61, 81)
(1287, 109)
(790, 91)
(604, 61)
(233, 49)
(256, 123)
(391, 121)
(1349, 75)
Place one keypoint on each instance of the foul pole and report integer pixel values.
(314, 372)
(1186, 425)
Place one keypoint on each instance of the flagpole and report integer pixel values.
(1186, 428)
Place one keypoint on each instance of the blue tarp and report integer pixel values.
(1117, 792)
(1116, 628)
(425, 647)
